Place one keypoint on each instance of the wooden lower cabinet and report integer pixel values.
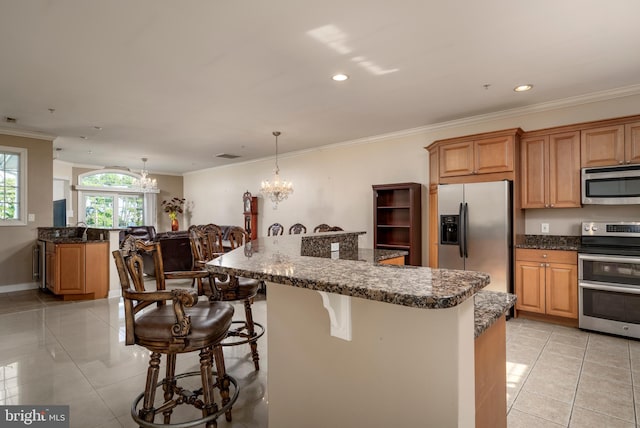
(399, 261)
(491, 377)
(547, 282)
(77, 270)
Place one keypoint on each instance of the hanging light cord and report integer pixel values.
(276, 134)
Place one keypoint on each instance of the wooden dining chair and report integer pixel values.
(229, 288)
(297, 229)
(179, 328)
(321, 228)
(275, 229)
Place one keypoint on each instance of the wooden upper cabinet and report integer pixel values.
(632, 142)
(482, 156)
(456, 159)
(564, 170)
(493, 155)
(534, 154)
(602, 146)
(550, 170)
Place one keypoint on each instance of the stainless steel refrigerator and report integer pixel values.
(475, 230)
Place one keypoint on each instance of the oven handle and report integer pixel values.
(602, 258)
(614, 288)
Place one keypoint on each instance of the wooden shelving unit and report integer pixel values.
(397, 219)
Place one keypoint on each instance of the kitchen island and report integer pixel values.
(352, 342)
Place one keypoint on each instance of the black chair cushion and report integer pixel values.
(209, 325)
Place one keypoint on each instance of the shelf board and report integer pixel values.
(406, 226)
(393, 207)
(394, 246)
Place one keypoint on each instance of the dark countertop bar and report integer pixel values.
(550, 242)
(278, 259)
(489, 307)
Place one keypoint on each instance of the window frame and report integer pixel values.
(22, 186)
(149, 196)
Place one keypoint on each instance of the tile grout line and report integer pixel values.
(575, 393)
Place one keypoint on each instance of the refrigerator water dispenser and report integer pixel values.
(449, 230)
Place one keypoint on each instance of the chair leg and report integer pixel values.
(147, 413)
(208, 386)
(169, 385)
(251, 330)
(223, 379)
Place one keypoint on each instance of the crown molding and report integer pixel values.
(27, 134)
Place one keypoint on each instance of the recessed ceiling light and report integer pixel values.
(98, 128)
(84, 137)
(340, 77)
(523, 88)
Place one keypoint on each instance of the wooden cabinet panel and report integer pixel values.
(551, 171)
(490, 359)
(97, 276)
(484, 156)
(534, 185)
(564, 170)
(632, 142)
(530, 288)
(602, 146)
(70, 276)
(78, 270)
(547, 282)
(433, 226)
(456, 159)
(561, 290)
(493, 155)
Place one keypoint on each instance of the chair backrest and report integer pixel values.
(214, 240)
(297, 229)
(335, 229)
(130, 268)
(321, 228)
(238, 237)
(275, 229)
(198, 241)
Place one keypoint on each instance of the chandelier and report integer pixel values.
(276, 190)
(145, 183)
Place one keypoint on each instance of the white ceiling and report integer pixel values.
(181, 81)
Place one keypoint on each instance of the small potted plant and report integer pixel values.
(173, 206)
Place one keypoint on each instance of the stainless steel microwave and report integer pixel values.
(611, 185)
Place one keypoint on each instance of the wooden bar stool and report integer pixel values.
(180, 327)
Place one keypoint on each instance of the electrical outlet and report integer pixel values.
(335, 246)
(544, 227)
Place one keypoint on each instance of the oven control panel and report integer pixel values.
(602, 228)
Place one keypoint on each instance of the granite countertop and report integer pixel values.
(489, 307)
(550, 242)
(278, 259)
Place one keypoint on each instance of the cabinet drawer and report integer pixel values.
(547, 256)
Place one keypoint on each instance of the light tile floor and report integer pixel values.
(73, 353)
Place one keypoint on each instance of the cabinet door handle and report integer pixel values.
(544, 256)
(546, 205)
(541, 264)
(621, 162)
(551, 205)
(547, 265)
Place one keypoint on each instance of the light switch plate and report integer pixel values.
(335, 246)
(31, 217)
(544, 227)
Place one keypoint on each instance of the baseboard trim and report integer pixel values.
(10, 288)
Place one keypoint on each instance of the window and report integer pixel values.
(13, 185)
(110, 199)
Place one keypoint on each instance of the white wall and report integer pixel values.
(333, 184)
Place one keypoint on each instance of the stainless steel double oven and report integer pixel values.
(609, 277)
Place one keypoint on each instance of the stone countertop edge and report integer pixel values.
(489, 307)
(279, 261)
(550, 242)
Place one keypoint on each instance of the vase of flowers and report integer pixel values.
(173, 206)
